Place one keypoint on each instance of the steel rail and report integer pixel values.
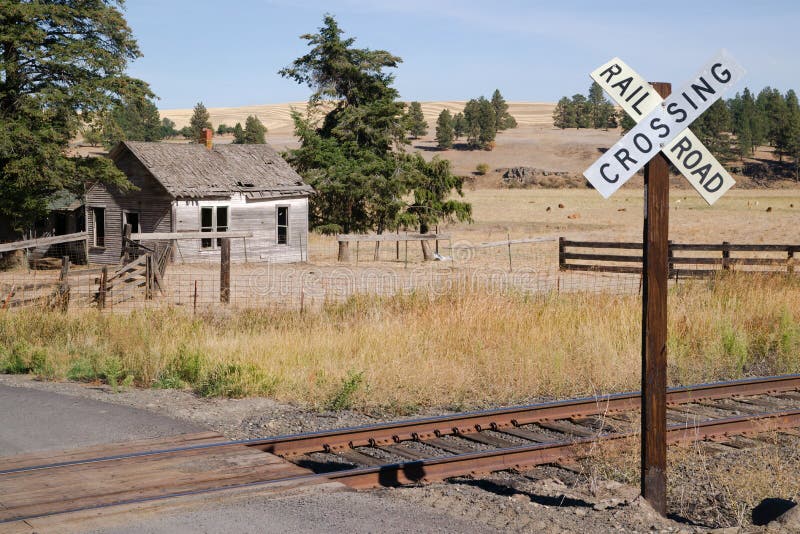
(441, 468)
(523, 456)
(464, 423)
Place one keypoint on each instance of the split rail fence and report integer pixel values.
(685, 259)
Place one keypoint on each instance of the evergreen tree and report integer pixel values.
(168, 128)
(444, 129)
(481, 123)
(625, 121)
(61, 64)
(503, 119)
(596, 108)
(238, 134)
(561, 114)
(134, 119)
(432, 184)
(583, 112)
(254, 132)
(222, 129)
(199, 120)
(361, 181)
(791, 132)
(415, 121)
(459, 125)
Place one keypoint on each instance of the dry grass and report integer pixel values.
(458, 350)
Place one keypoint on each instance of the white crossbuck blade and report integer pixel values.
(662, 125)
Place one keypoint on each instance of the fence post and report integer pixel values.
(225, 271)
(101, 294)
(510, 267)
(726, 255)
(63, 289)
(561, 259)
(344, 252)
(790, 261)
(148, 276)
(194, 303)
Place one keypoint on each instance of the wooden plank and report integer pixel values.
(107, 449)
(166, 236)
(601, 268)
(603, 244)
(42, 241)
(730, 261)
(733, 247)
(602, 257)
(505, 243)
(654, 328)
(391, 237)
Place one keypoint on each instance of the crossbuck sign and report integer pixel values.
(662, 126)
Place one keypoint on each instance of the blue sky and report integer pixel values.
(229, 53)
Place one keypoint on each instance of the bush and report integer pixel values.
(342, 399)
(482, 168)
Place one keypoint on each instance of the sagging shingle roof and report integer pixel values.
(192, 171)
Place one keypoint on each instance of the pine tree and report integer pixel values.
(415, 121)
(481, 123)
(61, 65)
(596, 106)
(168, 128)
(444, 130)
(503, 119)
(561, 114)
(254, 132)
(134, 119)
(459, 125)
(583, 113)
(791, 132)
(199, 120)
(238, 134)
(362, 182)
(625, 121)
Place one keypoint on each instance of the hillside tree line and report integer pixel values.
(479, 122)
(732, 129)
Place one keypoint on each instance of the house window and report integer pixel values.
(213, 219)
(283, 225)
(132, 218)
(99, 225)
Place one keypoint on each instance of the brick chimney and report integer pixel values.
(205, 139)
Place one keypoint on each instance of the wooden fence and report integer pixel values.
(702, 259)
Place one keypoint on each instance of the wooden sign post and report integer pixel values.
(654, 328)
(659, 137)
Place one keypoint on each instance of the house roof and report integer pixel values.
(192, 171)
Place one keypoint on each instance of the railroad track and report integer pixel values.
(437, 448)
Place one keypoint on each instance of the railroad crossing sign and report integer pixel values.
(662, 126)
(661, 132)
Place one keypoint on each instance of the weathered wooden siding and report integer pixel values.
(256, 216)
(151, 201)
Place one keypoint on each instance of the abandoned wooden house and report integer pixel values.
(202, 188)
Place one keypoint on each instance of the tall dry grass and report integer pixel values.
(458, 350)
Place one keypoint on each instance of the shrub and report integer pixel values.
(482, 168)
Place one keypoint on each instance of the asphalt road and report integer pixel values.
(33, 420)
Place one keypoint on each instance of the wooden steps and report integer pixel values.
(32, 499)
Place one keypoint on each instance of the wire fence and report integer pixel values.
(61, 279)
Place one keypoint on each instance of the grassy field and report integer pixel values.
(405, 353)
